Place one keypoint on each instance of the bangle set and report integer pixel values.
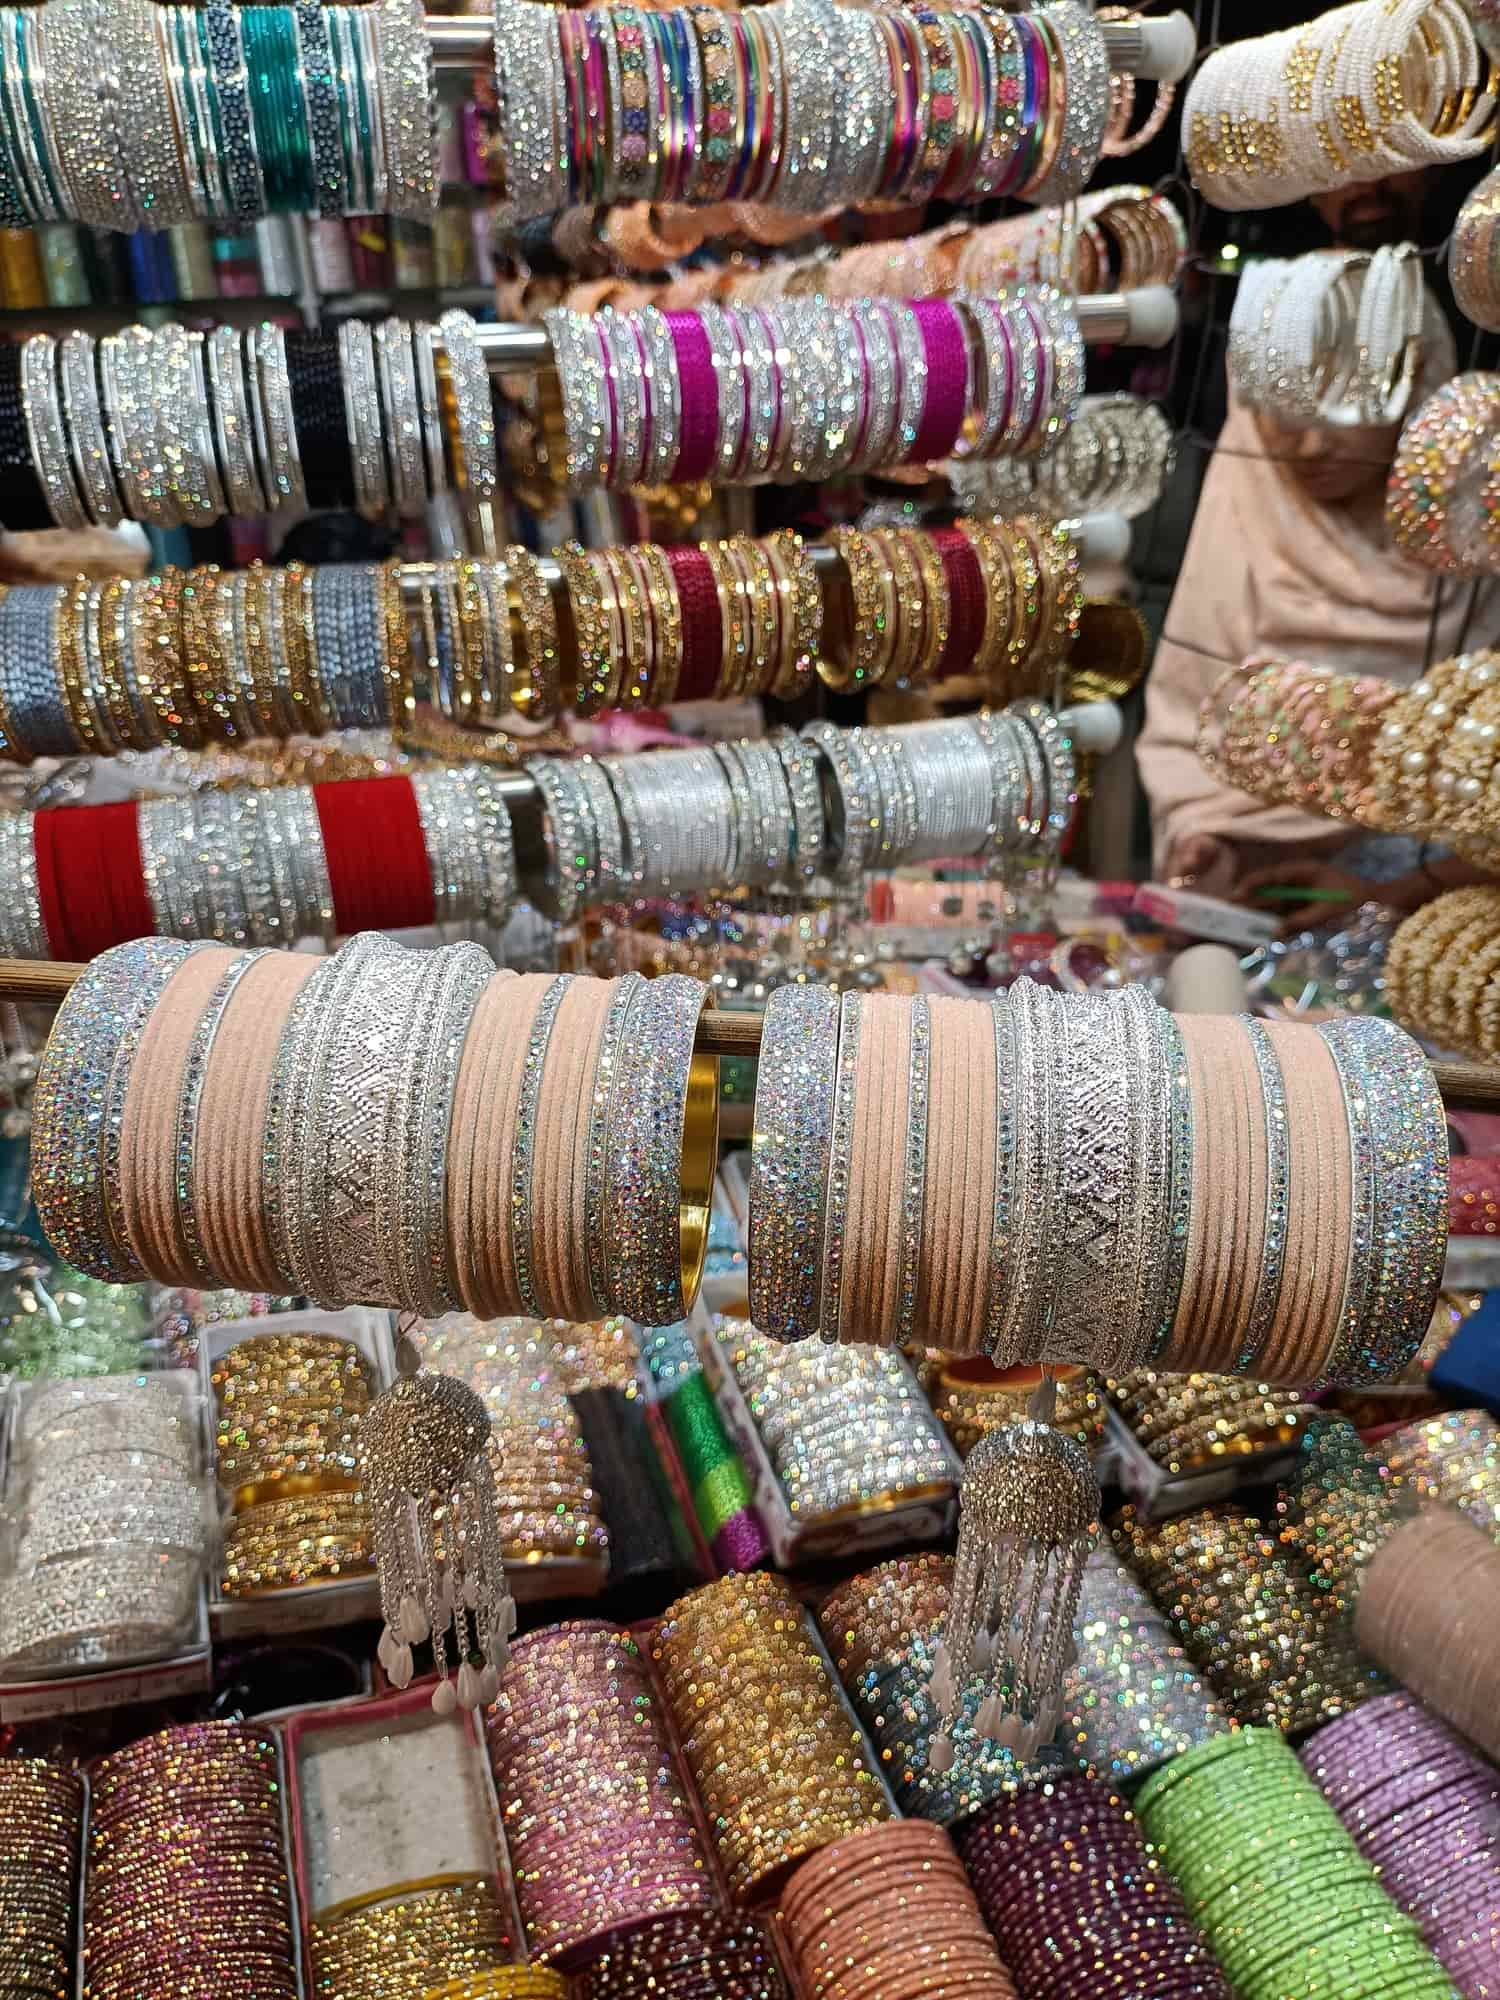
(894, 1901)
(698, 1955)
(1474, 251)
(1296, 734)
(175, 428)
(804, 390)
(1452, 1460)
(883, 1628)
(1441, 972)
(187, 1888)
(1184, 1422)
(751, 1638)
(289, 1407)
(417, 1938)
(1392, 1767)
(806, 107)
(544, 1492)
(1335, 337)
(210, 114)
(598, 1822)
(1249, 1617)
(1337, 1510)
(575, 1107)
(1442, 502)
(41, 1852)
(1076, 1898)
(1239, 1146)
(848, 1431)
(1115, 458)
(1436, 756)
(110, 1526)
(1239, 1812)
(1364, 91)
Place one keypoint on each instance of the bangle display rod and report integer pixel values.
(1160, 50)
(1464, 1086)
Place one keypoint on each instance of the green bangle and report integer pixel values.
(278, 116)
(723, 1494)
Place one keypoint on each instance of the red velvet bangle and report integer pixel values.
(377, 859)
(702, 624)
(90, 883)
(965, 602)
(698, 396)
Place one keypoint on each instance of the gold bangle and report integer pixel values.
(535, 623)
(858, 646)
(734, 640)
(156, 633)
(472, 697)
(936, 604)
(71, 671)
(397, 667)
(638, 671)
(249, 596)
(304, 687)
(801, 607)
(111, 610)
(765, 615)
(593, 666)
(998, 577)
(665, 607)
(202, 661)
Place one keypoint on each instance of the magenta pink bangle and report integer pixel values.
(947, 397)
(698, 421)
(1037, 427)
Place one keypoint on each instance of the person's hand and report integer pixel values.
(1330, 893)
(1202, 863)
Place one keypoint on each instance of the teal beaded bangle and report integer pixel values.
(277, 114)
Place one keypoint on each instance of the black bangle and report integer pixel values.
(23, 504)
(312, 361)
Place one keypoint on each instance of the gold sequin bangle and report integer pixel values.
(535, 617)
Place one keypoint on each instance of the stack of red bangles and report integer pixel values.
(889, 1912)
(186, 1889)
(1424, 1809)
(1295, 734)
(696, 1955)
(805, 389)
(597, 1816)
(1079, 1902)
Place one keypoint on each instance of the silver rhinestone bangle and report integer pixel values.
(789, 1158)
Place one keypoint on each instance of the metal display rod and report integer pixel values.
(1160, 50)
(1464, 1086)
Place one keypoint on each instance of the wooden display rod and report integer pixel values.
(1465, 1086)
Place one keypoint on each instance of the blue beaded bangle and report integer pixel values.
(28, 670)
(239, 158)
(315, 55)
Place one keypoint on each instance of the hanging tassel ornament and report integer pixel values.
(431, 1491)
(1028, 1517)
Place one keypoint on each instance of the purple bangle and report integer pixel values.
(741, 1543)
(947, 400)
(697, 431)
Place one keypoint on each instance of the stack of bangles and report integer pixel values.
(1123, 238)
(697, 1955)
(1332, 338)
(289, 1411)
(41, 1851)
(221, 1919)
(177, 428)
(189, 656)
(1442, 972)
(215, 115)
(577, 1739)
(1436, 755)
(1284, 116)
(806, 106)
(805, 390)
(267, 865)
(1296, 734)
(1114, 460)
(1474, 248)
(418, 1938)
(1452, 1460)
(1442, 502)
(1183, 1421)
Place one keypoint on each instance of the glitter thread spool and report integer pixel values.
(1132, 1698)
(1425, 1812)
(1249, 1617)
(1283, 1895)
(1079, 1903)
(1452, 1460)
(883, 1628)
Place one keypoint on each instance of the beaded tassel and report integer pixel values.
(1028, 1516)
(422, 1450)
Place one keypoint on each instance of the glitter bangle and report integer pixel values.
(790, 1148)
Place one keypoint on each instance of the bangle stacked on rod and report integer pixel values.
(210, 114)
(1366, 90)
(807, 106)
(1334, 337)
(186, 656)
(174, 427)
(578, 1111)
(1115, 459)
(1296, 734)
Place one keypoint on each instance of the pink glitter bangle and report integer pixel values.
(947, 398)
(697, 434)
